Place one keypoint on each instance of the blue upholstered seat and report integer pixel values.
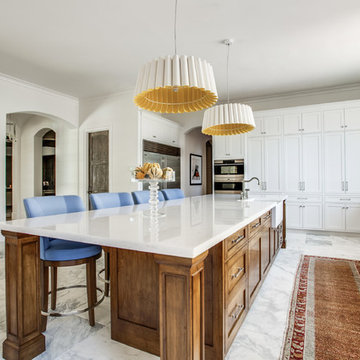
(57, 249)
(172, 194)
(110, 200)
(142, 197)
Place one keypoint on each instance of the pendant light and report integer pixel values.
(228, 119)
(176, 83)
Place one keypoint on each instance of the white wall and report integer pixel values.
(119, 115)
(19, 96)
(27, 159)
(194, 144)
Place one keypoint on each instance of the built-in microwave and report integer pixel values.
(228, 184)
(229, 167)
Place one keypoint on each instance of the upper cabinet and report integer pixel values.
(160, 130)
(266, 125)
(302, 123)
(342, 119)
(229, 147)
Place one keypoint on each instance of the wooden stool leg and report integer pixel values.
(53, 287)
(107, 272)
(91, 288)
(44, 276)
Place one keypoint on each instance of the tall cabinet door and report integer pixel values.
(352, 162)
(254, 162)
(272, 163)
(292, 154)
(311, 163)
(334, 162)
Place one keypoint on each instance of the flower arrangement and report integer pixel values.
(153, 171)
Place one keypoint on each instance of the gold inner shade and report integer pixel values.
(175, 99)
(228, 129)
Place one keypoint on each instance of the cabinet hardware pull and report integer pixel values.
(267, 217)
(342, 186)
(345, 126)
(235, 314)
(345, 199)
(346, 185)
(302, 198)
(236, 275)
(235, 241)
(255, 226)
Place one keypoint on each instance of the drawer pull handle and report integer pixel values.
(236, 275)
(237, 240)
(236, 313)
(267, 217)
(256, 225)
(345, 199)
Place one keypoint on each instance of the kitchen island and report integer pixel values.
(180, 287)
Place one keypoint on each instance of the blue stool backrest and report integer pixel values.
(110, 200)
(143, 197)
(51, 205)
(172, 194)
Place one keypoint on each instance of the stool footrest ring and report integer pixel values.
(101, 278)
(74, 312)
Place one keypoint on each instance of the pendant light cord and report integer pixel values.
(175, 25)
(227, 71)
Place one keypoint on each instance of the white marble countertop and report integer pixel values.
(191, 226)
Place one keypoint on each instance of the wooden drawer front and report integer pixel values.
(255, 226)
(235, 242)
(266, 217)
(235, 270)
(235, 311)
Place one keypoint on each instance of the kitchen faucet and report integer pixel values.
(245, 194)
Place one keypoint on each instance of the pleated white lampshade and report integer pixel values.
(176, 84)
(228, 119)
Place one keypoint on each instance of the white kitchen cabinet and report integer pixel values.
(352, 118)
(292, 157)
(352, 162)
(312, 216)
(254, 163)
(334, 162)
(304, 215)
(311, 163)
(310, 122)
(160, 130)
(264, 162)
(229, 147)
(333, 120)
(302, 123)
(352, 217)
(267, 125)
(293, 215)
(334, 217)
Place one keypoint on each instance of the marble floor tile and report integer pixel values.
(259, 338)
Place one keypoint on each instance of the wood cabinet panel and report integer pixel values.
(235, 270)
(254, 263)
(265, 249)
(234, 242)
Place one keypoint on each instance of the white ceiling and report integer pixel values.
(93, 47)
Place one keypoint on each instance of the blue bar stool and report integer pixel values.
(172, 194)
(104, 201)
(56, 253)
(143, 197)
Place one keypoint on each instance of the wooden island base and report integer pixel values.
(155, 297)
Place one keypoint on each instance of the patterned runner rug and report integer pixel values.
(324, 317)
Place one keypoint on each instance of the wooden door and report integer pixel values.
(254, 263)
(98, 162)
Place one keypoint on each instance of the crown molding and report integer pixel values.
(299, 94)
(32, 86)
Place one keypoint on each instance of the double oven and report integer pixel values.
(228, 176)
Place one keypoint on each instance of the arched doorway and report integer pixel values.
(49, 163)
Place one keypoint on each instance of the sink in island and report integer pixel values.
(180, 287)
